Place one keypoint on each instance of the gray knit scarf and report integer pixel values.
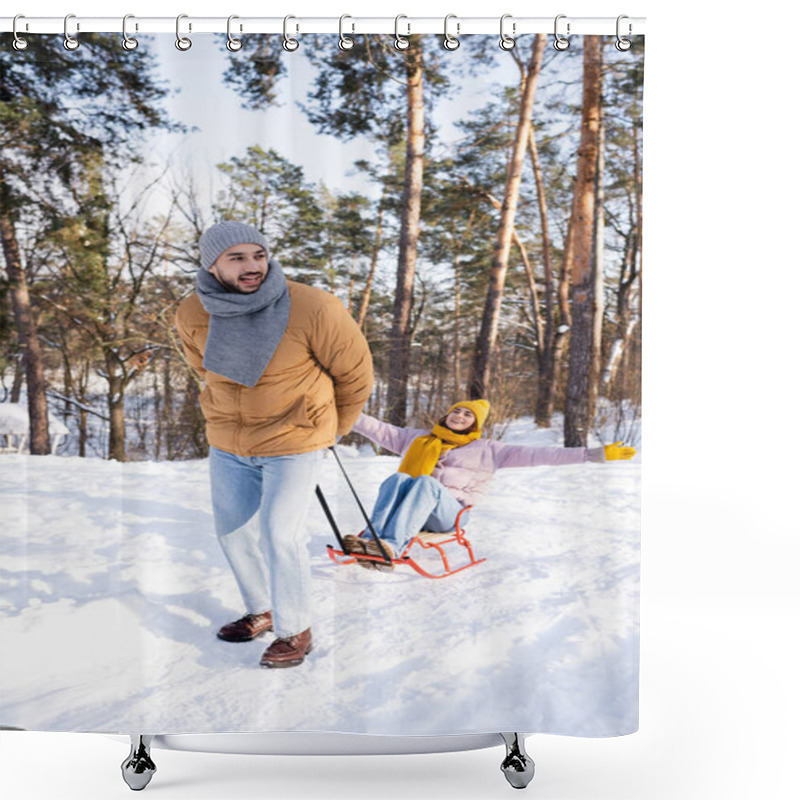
(245, 329)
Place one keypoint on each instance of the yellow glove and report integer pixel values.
(615, 452)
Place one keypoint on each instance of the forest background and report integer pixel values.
(479, 214)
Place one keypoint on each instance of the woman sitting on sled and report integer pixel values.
(445, 470)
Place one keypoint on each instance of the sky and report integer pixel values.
(226, 128)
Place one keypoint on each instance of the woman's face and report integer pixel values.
(460, 418)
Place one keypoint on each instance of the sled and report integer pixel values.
(424, 540)
(440, 543)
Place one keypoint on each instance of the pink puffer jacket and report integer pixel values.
(467, 470)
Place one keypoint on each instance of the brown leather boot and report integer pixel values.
(356, 545)
(290, 651)
(363, 545)
(247, 628)
(371, 548)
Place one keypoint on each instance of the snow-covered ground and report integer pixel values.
(113, 588)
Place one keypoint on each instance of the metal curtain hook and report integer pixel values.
(234, 45)
(623, 44)
(127, 42)
(19, 43)
(345, 42)
(401, 42)
(182, 42)
(561, 43)
(70, 42)
(451, 42)
(289, 44)
(507, 42)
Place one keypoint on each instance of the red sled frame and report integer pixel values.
(427, 541)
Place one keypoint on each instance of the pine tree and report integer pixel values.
(580, 255)
(42, 142)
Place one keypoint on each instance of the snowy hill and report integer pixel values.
(114, 585)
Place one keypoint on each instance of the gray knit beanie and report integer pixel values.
(223, 235)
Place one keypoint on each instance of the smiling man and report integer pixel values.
(286, 370)
(241, 268)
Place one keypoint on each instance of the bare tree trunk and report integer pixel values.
(618, 349)
(69, 384)
(457, 325)
(533, 290)
(550, 343)
(481, 365)
(400, 343)
(577, 420)
(83, 414)
(351, 285)
(598, 273)
(373, 263)
(375, 402)
(442, 364)
(116, 407)
(161, 416)
(626, 324)
(19, 377)
(169, 409)
(637, 199)
(417, 392)
(190, 420)
(27, 330)
(565, 317)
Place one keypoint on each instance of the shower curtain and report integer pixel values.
(474, 213)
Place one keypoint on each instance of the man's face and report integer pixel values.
(241, 268)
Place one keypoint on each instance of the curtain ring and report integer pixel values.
(70, 42)
(561, 43)
(451, 42)
(507, 42)
(401, 42)
(623, 44)
(19, 43)
(345, 42)
(234, 45)
(289, 44)
(127, 42)
(183, 43)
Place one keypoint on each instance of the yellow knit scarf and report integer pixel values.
(425, 451)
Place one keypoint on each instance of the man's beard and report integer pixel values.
(232, 287)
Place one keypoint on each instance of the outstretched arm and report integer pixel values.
(392, 437)
(510, 455)
(516, 455)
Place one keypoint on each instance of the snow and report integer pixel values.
(113, 587)
(14, 420)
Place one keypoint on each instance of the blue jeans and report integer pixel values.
(260, 505)
(406, 506)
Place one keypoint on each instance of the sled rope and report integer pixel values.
(385, 555)
(324, 503)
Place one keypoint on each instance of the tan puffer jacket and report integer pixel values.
(312, 390)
